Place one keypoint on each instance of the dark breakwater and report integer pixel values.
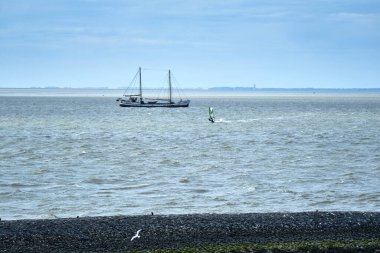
(113, 234)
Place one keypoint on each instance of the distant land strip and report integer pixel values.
(292, 89)
(221, 88)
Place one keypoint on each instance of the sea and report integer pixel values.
(74, 152)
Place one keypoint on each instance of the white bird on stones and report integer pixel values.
(137, 235)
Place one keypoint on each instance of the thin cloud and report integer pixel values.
(356, 17)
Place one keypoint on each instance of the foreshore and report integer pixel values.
(113, 234)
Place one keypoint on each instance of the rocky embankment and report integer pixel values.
(113, 234)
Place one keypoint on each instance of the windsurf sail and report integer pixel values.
(211, 115)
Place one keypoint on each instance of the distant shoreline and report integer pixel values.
(227, 88)
(293, 89)
(189, 93)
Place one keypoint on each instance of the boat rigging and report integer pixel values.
(133, 99)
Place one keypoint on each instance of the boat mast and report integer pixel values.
(140, 85)
(170, 88)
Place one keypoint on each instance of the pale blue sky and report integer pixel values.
(270, 43)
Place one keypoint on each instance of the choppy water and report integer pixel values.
(63, 156)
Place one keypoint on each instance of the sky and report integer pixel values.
(206, 43)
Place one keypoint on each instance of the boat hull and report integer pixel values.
(151, 105)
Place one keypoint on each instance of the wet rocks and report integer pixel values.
(113, 234)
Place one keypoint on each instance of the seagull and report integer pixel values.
(136, 235)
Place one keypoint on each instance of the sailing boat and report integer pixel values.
(137, 100)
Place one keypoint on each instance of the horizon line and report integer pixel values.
(215, 88)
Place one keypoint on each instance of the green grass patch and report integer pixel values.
(370, 245)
